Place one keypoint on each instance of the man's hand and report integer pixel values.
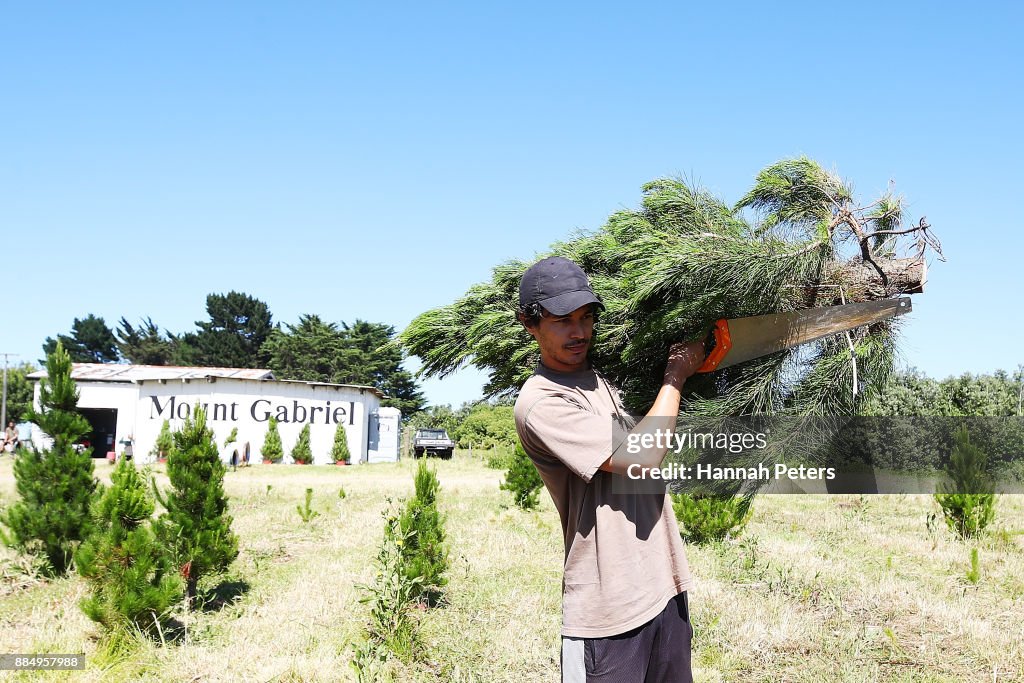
(683, 361)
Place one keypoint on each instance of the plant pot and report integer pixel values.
(341, 463)
(268, 462)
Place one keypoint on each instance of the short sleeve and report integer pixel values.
(565, 430)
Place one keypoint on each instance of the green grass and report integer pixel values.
(838, 588)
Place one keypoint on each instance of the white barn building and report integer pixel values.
(132, 401)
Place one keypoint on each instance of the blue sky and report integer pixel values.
(319, 155)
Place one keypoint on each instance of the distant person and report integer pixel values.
(129, 450)
(10, 437)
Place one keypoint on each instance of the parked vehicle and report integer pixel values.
(433, 442)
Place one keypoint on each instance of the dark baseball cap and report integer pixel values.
(557, 284)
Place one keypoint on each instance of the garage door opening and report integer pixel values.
(104, 426)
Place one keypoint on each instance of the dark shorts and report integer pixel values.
(657, 652)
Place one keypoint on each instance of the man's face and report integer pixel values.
(565, 339)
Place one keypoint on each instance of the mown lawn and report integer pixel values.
(839, 588)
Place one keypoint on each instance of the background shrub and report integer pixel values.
(705, 517)
(56, 485)
(522, 480)
(196, 527)
(421, 528)
(968, 499)
(132, 581)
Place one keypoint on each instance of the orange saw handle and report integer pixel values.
(717, 346)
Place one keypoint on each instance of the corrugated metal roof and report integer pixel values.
(120, 372)
(374, 390)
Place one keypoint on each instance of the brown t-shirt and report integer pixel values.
(624, 558)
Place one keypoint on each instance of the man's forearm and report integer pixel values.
(662, 416)
(683, 361)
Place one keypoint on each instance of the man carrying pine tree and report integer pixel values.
(625, 615)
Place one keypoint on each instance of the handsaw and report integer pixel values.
(742, 339)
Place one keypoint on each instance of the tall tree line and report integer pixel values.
(911, 392)
(360, 353)
(232, 336)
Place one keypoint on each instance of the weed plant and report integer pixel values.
(306, 512)
(391, 629)
(974, 573)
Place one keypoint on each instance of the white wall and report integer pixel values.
(120, 396)
(143, 406)
(246, 404)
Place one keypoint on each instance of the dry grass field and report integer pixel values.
(816, 588)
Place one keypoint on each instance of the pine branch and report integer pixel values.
(667, 270)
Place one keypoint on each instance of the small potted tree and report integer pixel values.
(339, 452)
(302, 454)
(164, 442)
(273, 451)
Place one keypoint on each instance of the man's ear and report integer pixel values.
(524, 320)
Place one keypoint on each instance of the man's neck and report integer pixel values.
(586, 366)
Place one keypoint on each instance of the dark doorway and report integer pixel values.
(104, 426)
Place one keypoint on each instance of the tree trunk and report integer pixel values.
(191, 584)
(864, 282)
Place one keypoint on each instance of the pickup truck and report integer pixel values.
(432, 442)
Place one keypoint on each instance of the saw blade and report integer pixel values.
(761, 335)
